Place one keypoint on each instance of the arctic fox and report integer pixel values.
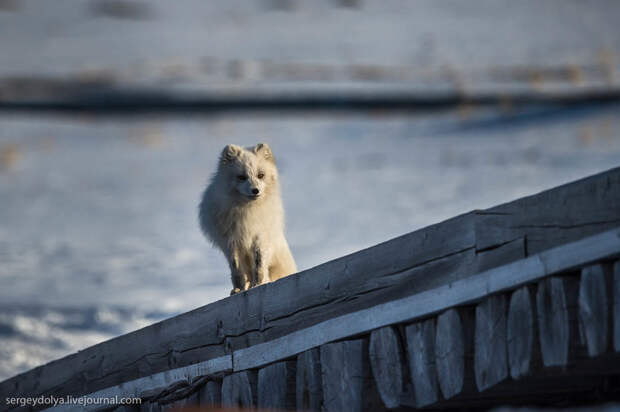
(241, 213)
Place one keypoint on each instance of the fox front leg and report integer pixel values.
(261, 265)
(240, 279)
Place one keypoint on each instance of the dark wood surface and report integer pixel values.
(418, 261)
(309, 382)
(347, 381)
(616, 306)
(450, 348)
(387, 361)
(276, 386)
(556, 305)
(522, 339)
(210, 394)
(421, 353)
(491, 355)
(240, 389)
(594, 307)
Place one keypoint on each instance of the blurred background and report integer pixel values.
(406, 113)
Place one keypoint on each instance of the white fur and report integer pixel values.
(247, 227)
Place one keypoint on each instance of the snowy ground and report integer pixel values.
(163, 42)
(98, 231)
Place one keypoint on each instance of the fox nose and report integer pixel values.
(255, 191)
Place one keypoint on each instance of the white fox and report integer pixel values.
(241, 212)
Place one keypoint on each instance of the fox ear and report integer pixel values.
(264, 150)
(230, 153)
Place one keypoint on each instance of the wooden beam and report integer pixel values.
(276, 386)
(389, 272)
(138, 387)
(472, 289)
(347, 380)
(309, 381)
(522, 338)
(490, 349)
(561, 215)
(594, 307)
(239, 389)
(616, 306)
(210, 394)
(149, 407)
(556, 306)
(387, 361)
(454, 352)
(507, 277)
(500, 254)
(421, 351)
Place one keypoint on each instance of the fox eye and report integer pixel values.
(242, 177)
(261, 175)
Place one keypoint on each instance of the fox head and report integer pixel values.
(250, 172)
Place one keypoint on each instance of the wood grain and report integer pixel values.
(387, 361)
(490, 356)
(347, 380)
(421, 351)
(276, 386)
(450, 351)
(309, 390)
(556, 305)
(594, 307)
(210, 394)
(521, 333)
(239, 389)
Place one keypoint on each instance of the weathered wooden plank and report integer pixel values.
(347, 381)
(192, 400)
(556, 306)
(167, 407)
(358, 281)
(141, 386)
(560, 215)
(149, 407)
(421, 351)
(508, 277)
(450, 353)
(521, 333)
(616, 306)
(501, 255)
(490, 354)
(426, 303)
(309, 382)
(239, 389)
(454, 352)
(276, 386)
(594, 307)
(123, 359)
(386, 362)
(377, 290)
(375, 275)
(210, 394)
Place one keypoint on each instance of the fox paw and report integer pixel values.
(234, 291)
